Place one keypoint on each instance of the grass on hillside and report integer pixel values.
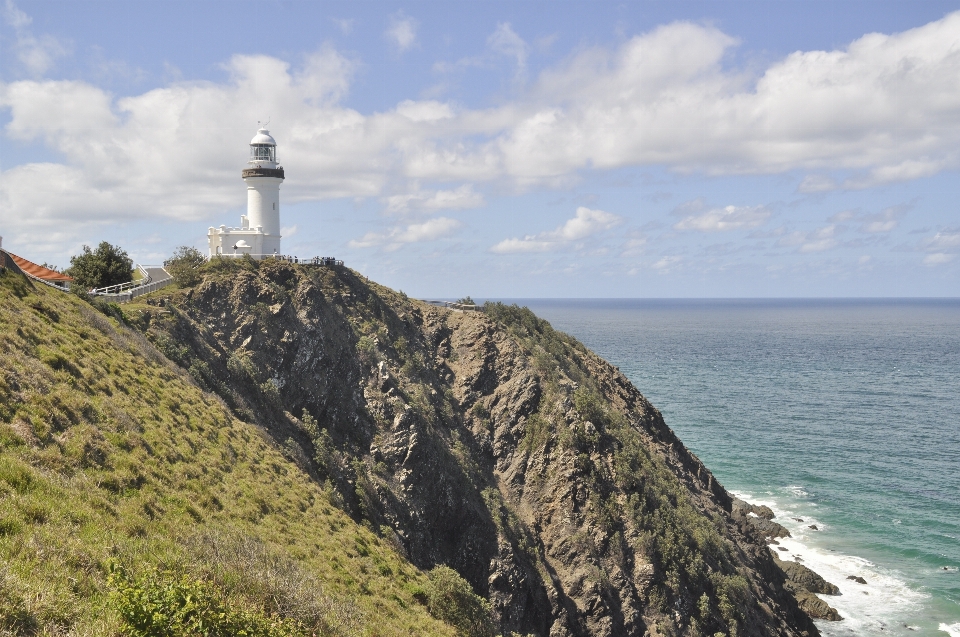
(117, 471)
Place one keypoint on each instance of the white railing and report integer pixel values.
(125, 292)
(124, 287)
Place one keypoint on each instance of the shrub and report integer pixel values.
(108, 265)
(451, 599)
(184, 266)
(160, 605)
(589, 406)
(270, 391)
(241, 367)
(367, 349)
(113, 310)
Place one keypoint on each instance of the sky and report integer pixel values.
(502, 149)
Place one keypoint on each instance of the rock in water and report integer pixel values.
(816, 607)
(759, 510)
(799, 576)
(769, 528)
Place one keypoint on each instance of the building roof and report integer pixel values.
(263, 137)
(38, 271)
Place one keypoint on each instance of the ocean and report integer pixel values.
(841, 414)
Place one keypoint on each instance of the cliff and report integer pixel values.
(301, 424)
(484, 441)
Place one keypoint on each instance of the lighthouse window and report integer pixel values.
(262, 152)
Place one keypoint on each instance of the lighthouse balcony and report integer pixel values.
(263, 172)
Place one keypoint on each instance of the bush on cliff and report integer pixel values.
(450, 599)
(184, 266)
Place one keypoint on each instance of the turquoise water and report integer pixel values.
(841, 413)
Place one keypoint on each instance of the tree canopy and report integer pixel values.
(184, 266)
(107, 265)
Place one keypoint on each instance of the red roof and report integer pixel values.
(38, 271)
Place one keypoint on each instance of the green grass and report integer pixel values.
(112, 458)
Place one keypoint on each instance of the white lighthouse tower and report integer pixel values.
(259, 231)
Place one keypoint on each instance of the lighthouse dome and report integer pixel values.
(263, 138)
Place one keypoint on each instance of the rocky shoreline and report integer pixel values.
(802, 582)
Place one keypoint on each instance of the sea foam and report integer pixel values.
(951, 629)
(882, 606)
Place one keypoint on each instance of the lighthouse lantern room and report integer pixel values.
(259, 231)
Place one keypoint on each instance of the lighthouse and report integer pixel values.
(259, 231)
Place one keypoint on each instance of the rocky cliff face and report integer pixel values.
(484, 441)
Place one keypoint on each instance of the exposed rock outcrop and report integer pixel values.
(769, 528)
(761, 519)
(760, 510)
(802, 578)
(804, 583)
(816, 607)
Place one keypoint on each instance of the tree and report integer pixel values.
(466, 301)
(108, 265)
(184, 266)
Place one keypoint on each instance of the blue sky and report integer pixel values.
(502, 149)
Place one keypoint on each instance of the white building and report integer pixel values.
(259, 231)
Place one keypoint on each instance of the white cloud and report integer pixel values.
(882, 222)
(634, 246)
(396, 237)
(728, 218)
(505, 41)
(37, 54)
(945, 240)
(325, 77)
(667, 264)
(817, 183)
(585, 224)
(938, 258)
(402, 31)
(424, 111)
(818, 240)
(942, 247)
(881, 105)
(344, 24)
(461, 198)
